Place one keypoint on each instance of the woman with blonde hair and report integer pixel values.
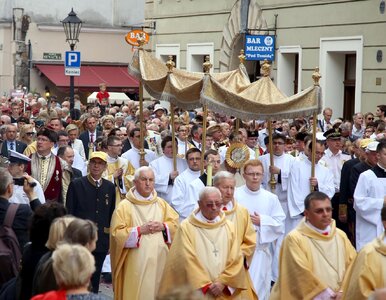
(73, 266)
(26, 133)
(77, 231)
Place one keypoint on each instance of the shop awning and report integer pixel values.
(90, 76)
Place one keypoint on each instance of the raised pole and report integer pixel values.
(206, 66)
(142, 161)
(170, 65)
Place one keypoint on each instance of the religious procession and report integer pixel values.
(209, 185)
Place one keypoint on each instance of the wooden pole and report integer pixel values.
(313, 153)
(142, 132)
(272, 181)
(173, 137)
(203, 142)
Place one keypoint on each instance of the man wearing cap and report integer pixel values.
(334, 159)
(252, 142)
(369, 198)
(107, 122)
(93, 197)
(10, 142)
(76, 144)
(47, 168)
(300, 182)
(17, 165)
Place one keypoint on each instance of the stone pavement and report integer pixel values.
(106, 290)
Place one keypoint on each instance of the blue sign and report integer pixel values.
(259, 47)
(72, 59)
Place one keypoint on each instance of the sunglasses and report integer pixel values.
(370, 118)
(29, 133)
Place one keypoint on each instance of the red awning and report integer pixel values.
(90, 76)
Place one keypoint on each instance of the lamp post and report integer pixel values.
(72, 25)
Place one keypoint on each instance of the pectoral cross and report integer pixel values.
(215, 251)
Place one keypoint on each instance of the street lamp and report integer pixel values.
(72, 25)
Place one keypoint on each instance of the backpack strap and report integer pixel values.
(10, 214)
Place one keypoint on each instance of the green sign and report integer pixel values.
(52, 56)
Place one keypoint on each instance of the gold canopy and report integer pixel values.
(229, 92)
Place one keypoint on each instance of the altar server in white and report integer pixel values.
(267, 217)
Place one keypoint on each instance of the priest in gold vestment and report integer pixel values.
(315, 256)
(204, 255)
(239, 215)
(368, 272)
(141, 229)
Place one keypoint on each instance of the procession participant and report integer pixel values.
(252, 142)
(238, 215)
(346, 199)
(300, 144)
(180, 187)
(282, 164)
(164, 172)
(325, 124)
(358, 129)
(334, 159)
(89, 136)
(119, 170)
(315, 256)
(10, 142)
(368, 272)
(369, 161)
(47, 168)
(195, 136)
(67, 154)
(210, 157)
(182, 143)
(300, 181)
(204, 255)
(268, 219)
(73, 133)
(215, 132)
(92, 197)
(141, 230)
(133, 156)
(369, 198)
(17, 166)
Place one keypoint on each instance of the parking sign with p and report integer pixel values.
(72, 63)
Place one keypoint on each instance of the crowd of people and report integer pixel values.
(161, 226)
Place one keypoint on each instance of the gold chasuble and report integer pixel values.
(246, 236)
(203, 253)
(311, 262)
(137, 271)
(368, 272)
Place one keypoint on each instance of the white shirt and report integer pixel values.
(132, 155)
(162, 167)
(19, 196)
(334, 162)
(179, 193)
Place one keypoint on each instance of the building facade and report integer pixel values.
(33, 45)
(343, 38)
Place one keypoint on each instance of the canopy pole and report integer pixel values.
(170, 65)
(316, 77)
(206, 66)
(272, 181)
(313, 149)
(142, 161)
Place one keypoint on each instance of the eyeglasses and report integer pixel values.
(278, 143)
(322, 210)
(29, 133)
(370, 118)
(254, 174)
